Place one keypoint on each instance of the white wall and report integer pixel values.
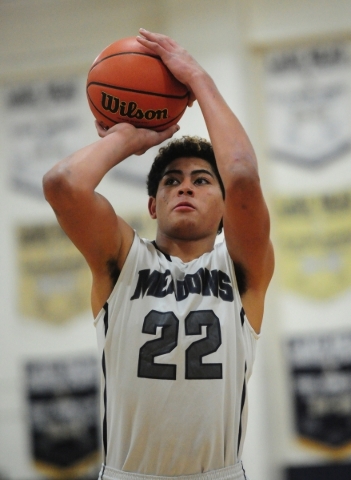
(48, 38)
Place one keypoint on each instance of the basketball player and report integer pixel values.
(177, 318)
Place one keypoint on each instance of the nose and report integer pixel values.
(186, 188)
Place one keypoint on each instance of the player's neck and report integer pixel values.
(186, 250)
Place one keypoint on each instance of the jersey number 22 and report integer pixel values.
(195, 369)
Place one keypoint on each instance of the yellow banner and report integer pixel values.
(143, 224)
(313, 243)
(54, 279)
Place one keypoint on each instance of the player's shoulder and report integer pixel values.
(144, 249)
(220, 249)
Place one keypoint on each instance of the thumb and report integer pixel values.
(191, 99)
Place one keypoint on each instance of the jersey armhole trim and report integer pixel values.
(101, 313)
(255, 335)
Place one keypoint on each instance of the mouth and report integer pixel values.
(184, 207)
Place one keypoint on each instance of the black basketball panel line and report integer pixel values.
(124, 53)
(143, 92)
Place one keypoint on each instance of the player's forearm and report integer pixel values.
(83, 170)
(233, 149)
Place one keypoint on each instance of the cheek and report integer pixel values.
(216, 202)
(162, 202)
(164, 198)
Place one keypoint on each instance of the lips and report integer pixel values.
(185, 206)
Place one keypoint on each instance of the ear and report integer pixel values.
(152, 207)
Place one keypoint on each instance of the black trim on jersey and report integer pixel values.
(102, 471)
(104, 422)
(243, 397)
(105, 307)
(242, 466)
(242, 316)
(165, 254)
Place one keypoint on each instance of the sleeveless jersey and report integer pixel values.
(176, 352)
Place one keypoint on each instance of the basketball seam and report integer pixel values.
(124, 53)
(179, 97)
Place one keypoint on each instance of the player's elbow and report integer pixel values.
(242, 177)
(56, 185)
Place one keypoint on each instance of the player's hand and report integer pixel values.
(139, 140)
(183, 66)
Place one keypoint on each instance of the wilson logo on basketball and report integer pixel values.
(130, 109)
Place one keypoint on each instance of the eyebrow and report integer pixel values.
(194, 172)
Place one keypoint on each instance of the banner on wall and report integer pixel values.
(143, 225)
(135, 169)
(63, 412)
(45, 122)
(320, 367)
(308, 92)
(54, 279)
(332, 471)
(314, 238)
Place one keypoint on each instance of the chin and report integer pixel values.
(187, 232)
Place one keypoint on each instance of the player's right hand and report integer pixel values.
(139, 139)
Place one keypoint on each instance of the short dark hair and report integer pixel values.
(181, 147)
(187, 147)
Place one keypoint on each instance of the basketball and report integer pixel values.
(127, 83)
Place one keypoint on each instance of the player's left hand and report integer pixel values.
(183, 66)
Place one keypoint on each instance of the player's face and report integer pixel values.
(189, 202)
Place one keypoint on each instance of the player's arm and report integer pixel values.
(87, 217)
(246, 217)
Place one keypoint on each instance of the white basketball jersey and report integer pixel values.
(176, 352)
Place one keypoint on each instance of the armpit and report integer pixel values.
(241, 278)
(113, 270)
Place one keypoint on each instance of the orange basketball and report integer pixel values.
(127, 83)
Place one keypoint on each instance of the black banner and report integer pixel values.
(63, 411)
(321, 380)
(321, 472)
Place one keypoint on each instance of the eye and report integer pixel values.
(201, 181)
(171, 181)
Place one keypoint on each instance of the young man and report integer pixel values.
(177, 319)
